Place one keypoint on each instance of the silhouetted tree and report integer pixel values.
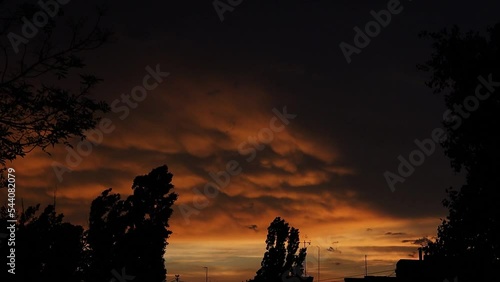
(37, 108)
(107, 226)
(466, 69)
(125, 234)
(281, 255)
(131, 233)
(46, 249)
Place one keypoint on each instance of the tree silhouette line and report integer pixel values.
(133, 232)
(126, 233)
(468, 241)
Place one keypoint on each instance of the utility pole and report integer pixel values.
(319, 259)
(366, 267)
(305, 266)
(206, 273)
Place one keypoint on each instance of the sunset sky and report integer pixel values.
(323, 172)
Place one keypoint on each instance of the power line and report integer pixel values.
(354, 275)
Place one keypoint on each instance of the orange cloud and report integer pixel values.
(195, 126)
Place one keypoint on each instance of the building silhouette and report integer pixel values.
(413, 270)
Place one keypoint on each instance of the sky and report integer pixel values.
(218, 91)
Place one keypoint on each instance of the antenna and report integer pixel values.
(305, 266)
(176, 278)
(308, 243)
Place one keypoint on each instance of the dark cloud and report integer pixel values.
(395, 233)
(253, 227)
(421, 241)
(333, 250)
(325, 170)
